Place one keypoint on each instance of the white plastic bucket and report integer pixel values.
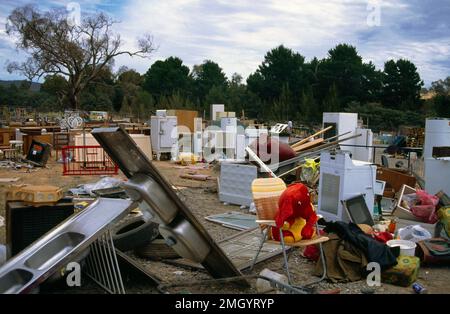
(407, 248)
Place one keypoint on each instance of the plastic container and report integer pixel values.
(263, 286)
(407, 248)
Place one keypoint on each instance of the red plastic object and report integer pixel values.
(87, 160)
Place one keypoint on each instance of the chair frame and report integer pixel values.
(265, 228)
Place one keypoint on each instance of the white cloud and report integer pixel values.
(237, 33)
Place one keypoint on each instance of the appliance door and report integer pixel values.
(165, 130)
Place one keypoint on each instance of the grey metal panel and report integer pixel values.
(60, 245)
(131, 160)
(236, 183)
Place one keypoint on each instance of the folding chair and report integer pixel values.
(266, 193)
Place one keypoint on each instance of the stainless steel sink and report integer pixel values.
(54, 250)
(179, 226)
(13, 281)
(61, 245)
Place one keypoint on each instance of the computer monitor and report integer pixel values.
(357, 210)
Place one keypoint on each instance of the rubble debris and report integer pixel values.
(197, 177)
(9, 180)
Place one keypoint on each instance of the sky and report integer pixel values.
(238, 33)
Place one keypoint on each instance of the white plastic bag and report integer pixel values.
(414, 233)
(103, 183)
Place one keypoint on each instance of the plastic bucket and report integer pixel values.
(407, 248)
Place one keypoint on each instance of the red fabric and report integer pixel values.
(382, 236)
(312, 252)
(293, 203)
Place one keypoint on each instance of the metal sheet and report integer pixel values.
(61, 245)
(131, 160)
(241, 249)
(234, 220)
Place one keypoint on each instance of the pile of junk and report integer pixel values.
(312, 193)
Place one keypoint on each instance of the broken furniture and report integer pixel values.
(178, 225)
(406, 217)
(14, 152)
(142, 141)
(61, 245)
(60, 139)
(266, 208)
(87, 160)
(341, 178)
(394, 179)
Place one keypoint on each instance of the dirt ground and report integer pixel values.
(202, 198)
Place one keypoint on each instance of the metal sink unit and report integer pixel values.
(60, 245)
(178, 225)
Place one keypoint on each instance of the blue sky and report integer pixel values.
(237, 33)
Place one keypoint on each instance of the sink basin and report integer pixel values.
(54, 250)
(14, 280)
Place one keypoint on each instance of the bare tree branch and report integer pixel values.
(78, 52)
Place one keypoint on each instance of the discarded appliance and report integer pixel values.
(178, 225)
(214, 109)
(28, 223)
(340, 179)
(366, 139)
(229, 129)
(357, 210)
(59, 246)
(235, 183)
(437, 169)
(164, 134)
(342, 122)
(38, 153)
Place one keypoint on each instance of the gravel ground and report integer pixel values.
(202, 198)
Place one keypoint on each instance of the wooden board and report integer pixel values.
(308, 145)
(9, 180)
(184, 118)
(311, 136)
(395, 179)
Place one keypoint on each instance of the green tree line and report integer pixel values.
(284, 87)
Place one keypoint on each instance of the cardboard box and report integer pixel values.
(184, 118)
(404, 273)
